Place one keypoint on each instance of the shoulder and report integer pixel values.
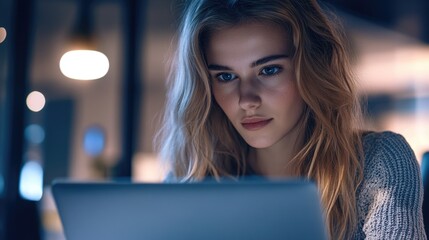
(385, 142)
(390, 152)
(390, 195)
(390, 163)
(389, 160)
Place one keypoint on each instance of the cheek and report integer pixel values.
(296, 104)
(287, 99)
(223, 99)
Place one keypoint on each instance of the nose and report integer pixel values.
(249, 95)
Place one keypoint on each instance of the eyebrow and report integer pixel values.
(215, 67)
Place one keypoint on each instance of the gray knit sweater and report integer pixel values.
(390, 197)
(389, 200)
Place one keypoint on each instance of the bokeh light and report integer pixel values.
(35, 101)
(31, 181)
(94, 141)
(3, 34)
(34, 133)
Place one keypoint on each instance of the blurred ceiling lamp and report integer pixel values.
(83, 61)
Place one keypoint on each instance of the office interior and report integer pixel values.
(53, 126)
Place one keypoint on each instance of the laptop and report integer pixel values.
(227, 210)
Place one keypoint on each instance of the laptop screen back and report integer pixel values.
(243, 210)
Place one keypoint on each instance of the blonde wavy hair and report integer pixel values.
(197, 139)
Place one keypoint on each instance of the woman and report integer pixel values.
(264, 88)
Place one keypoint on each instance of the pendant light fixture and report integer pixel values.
(84, 61)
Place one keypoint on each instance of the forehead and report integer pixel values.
(247, 40)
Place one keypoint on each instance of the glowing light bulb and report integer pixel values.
(84, 64)
(35, 101)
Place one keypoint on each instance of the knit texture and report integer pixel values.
(389, 200)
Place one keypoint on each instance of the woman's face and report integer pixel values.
(253, 81)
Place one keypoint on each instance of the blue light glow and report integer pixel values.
(425, 168)
(1, 184)
(94, 140)
(31, 181)
(34, 133)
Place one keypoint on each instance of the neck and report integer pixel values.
(272, 162)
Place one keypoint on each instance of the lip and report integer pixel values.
(255, 123)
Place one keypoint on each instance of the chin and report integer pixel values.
(260, 143)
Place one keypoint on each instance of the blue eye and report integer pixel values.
(271, 70)
(226, 77)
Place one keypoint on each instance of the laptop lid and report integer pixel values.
(240, 210)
